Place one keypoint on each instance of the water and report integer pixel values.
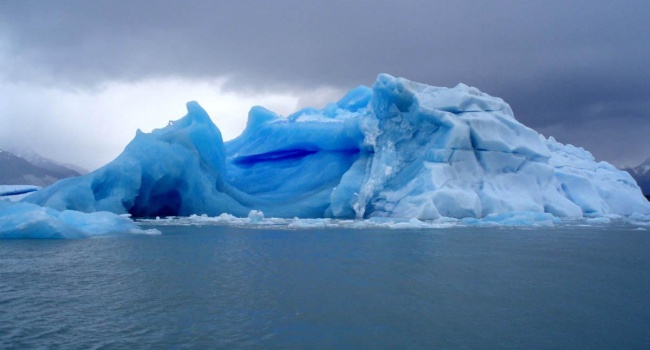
(224, 287)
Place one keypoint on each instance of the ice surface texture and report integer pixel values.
(401, 149)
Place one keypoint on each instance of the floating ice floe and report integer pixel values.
(25, 220)
(639, 219)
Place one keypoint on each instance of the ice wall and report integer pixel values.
(401, 149)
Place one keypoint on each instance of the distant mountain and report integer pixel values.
(641, 174)
(65, 170)
(76, 168)
(32, 169)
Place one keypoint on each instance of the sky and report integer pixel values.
(77, 78)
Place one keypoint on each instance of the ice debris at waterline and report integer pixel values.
(257, 220)
(399, 149)
(25, 220)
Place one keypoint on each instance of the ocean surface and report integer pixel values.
(212, 287)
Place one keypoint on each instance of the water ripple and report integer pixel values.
(224, 287)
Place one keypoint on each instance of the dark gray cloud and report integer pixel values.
(577, 64)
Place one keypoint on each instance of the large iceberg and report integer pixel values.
(399, 149)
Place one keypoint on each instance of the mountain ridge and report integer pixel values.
(641, 173)
(32, 169)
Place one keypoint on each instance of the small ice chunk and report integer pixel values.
(255, 216)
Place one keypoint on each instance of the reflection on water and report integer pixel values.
(225, 287)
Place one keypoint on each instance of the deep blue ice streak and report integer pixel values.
(219, 287)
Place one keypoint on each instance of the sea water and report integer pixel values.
(213, 286)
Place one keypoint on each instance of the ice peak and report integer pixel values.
(196, 112)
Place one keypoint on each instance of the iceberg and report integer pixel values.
(400, 149)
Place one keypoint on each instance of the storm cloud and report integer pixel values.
(577, 70)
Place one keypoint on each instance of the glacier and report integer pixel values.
(399, 149)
